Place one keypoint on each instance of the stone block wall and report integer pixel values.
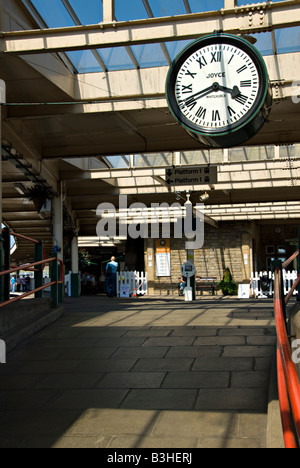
(230, 246)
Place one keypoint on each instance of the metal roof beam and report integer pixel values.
(35, 15)
(187, 6)
(77, 21)
(265, 17)
(108, 11)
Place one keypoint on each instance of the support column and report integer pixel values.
(230, 4)
(108, 11)
(298, 264)
(58, 226)
(58, 233)
(75, 280)
(190, 258)
(150, 263)
(54, 277)
(38, 275)
(6, 262)
(2, 259)
(246, 256)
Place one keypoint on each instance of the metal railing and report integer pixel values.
(57, 272)
(262, 282)
(287, 377)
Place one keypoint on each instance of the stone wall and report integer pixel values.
(230, 246)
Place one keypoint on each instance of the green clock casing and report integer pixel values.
(219, 90)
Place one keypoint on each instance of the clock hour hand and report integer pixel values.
(235, 92)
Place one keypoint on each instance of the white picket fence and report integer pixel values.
(289, 277)
(132, 283)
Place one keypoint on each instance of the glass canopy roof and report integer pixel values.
(64, 13)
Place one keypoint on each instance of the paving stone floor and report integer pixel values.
(142, 373)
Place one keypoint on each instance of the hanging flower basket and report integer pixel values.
(38, 194)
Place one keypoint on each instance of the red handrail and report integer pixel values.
(30, 265)
(27, 265)
(285, 408)
(20, 236)
(288, 381)
(289, 260)
(18, 298)
(288, 297)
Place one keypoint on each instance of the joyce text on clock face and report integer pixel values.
(217, 87)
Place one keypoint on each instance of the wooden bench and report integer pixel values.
(208, 283)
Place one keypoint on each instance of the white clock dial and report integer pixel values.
(217, 86)
(219, 91)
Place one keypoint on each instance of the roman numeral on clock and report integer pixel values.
(201, 113)
(202, 62)
(241, 99)
(191, 103)
(215, 116)
(216, 57)
(187, 89)
(246, 84)
(188, 73)
(243, 68)
(231, 58)
(231, 111)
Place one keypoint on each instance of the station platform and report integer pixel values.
(142, 373)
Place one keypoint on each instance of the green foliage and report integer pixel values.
(84, 258)
(227, 285)
(227, 276)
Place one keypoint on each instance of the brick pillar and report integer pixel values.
(246, 256)
(150, 264)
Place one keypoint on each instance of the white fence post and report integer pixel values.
(118, 284)
(136, 281)
(289, 277)
(2, 352)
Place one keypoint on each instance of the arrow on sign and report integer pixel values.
(191, 175)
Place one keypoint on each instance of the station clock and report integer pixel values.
(218, 89)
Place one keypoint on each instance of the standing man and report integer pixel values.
(19, 283)
(27, 283)
(23, 283)
(111, 277)
(13, 283)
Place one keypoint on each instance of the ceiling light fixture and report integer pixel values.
(204, 197)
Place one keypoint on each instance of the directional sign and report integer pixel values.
(192, 175)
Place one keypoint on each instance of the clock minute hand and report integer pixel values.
(199, 95)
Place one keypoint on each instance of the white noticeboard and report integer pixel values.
(163, 264)
(244, 291)
(124, 290)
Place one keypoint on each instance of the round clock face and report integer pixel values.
(217, 84)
